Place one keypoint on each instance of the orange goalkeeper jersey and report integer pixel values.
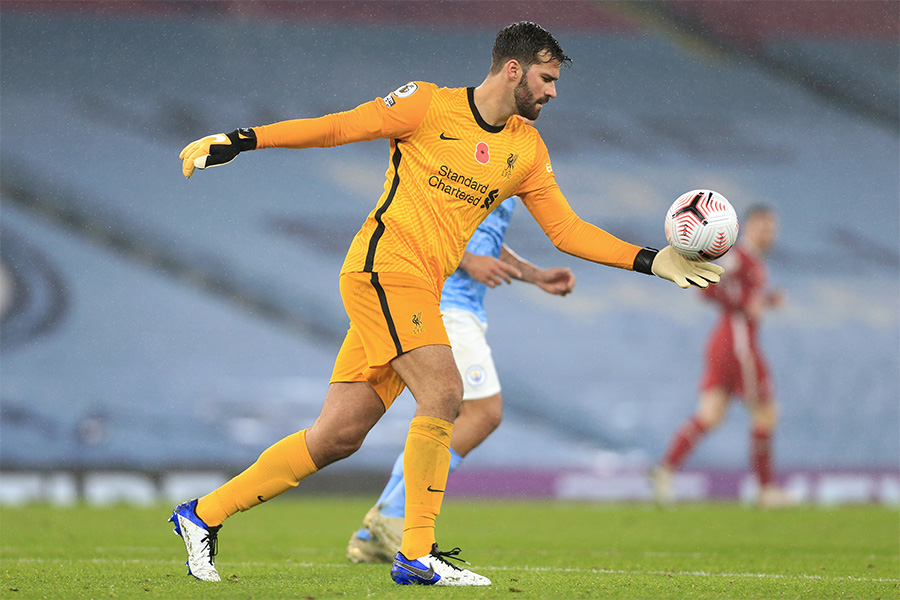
(448, 169)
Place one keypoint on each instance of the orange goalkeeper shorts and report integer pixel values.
(390, 313)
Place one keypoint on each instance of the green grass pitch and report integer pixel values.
(294, 547)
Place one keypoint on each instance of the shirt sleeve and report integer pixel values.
(568, 232)
(395, 116)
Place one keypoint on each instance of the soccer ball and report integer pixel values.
(701, 225)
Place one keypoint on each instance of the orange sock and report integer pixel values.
(279, 468)
(426, 463)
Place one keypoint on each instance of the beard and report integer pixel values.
(526, 103)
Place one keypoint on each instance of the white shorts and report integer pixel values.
(472, 354)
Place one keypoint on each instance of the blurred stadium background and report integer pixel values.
(158, 333)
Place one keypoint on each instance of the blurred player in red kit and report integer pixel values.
(735, 365)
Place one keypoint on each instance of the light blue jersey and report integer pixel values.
(460, 290)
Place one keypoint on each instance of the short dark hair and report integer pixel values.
(523, 41)
(758, 210)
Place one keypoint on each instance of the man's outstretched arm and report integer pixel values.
(572, 235)
(368, 121)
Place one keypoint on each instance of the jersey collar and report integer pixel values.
(470, 92)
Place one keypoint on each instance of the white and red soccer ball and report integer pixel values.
(701, 225)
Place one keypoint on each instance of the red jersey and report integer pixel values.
(747, 279)
(734, 360)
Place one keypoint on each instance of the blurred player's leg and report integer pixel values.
(661, 485)
(711, 410)
(395, 480)
(761, 459)
(763, 418)
(364, 547)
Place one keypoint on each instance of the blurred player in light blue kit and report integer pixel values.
(488, 262)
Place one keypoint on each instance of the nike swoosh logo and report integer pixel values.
(429, 488)
(260, 498)
(427, 575)
(444, 137)
(220, 138)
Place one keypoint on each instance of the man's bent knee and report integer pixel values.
(349, 412)
(332, 447)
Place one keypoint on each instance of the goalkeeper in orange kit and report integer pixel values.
(455, 155)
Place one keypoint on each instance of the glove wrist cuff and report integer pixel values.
(643, 262)
(243, 139)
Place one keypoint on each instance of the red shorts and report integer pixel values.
(735, 363)
(390, 313)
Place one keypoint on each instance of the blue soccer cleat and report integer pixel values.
(199, 539)
(434, 569)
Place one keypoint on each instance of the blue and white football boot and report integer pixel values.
(434, 569)
(199, 539)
